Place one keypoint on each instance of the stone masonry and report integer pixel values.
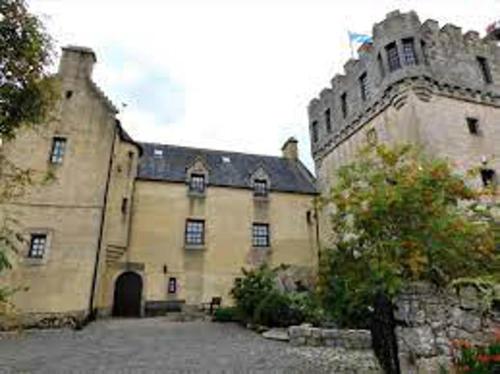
(430, 320)
(416, 83)
(446, 62)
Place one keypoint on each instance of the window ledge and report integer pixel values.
(195, 194)
(194, 247)
(31, 261)
(266, 249)
(261, 198)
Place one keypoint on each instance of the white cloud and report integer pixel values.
(247, 68)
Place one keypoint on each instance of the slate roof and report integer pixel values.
(285, 175)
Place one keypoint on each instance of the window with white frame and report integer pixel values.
(195, 232)
(260, 187)
(197, 183)
(260, 235)
(58, 150)
(38, 246)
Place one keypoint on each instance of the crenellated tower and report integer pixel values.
(416, 82)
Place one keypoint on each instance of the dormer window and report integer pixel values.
(260, 187)
(158, 153)
(197, 178)
(197, 183)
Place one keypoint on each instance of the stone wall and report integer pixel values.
(69, 209)
(42, 320)
(306, 335)
(430, 320)
(157, 238)
(352, 351)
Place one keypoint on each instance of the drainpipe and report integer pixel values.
(316, 221)
(91, 315)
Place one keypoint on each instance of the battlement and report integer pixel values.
(403, 49)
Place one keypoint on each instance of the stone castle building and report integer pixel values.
(128, 228)
(414, 83)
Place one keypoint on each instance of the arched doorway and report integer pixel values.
(128, 295)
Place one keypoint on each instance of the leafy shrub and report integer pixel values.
(308, 305)
(276, 310)
(396, 220)
(228, 314)
(252, 289)
(260, 302)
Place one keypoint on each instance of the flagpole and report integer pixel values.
(350, 44)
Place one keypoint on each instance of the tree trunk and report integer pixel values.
(384, 339)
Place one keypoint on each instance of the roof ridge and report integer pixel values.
(307, 173)
(211, 150)
(102, 96)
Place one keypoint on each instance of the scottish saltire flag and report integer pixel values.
(359, 38)
(355, 38)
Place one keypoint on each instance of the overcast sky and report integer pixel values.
(232, 75)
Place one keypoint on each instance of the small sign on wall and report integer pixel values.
(172, 285)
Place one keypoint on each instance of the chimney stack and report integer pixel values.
(290, 149)
(77, 62)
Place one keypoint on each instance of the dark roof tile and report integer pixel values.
(285, 175)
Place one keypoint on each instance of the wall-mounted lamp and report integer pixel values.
(165, 269)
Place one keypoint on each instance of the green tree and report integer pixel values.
(400, 216)
(27, 95)
(27, 91)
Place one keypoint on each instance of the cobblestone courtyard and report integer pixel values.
(159, 346)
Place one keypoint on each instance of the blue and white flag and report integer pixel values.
(359, 38)
(355, 38)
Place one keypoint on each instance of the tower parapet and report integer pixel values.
(405, 55)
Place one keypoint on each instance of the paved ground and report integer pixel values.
(156, 346)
